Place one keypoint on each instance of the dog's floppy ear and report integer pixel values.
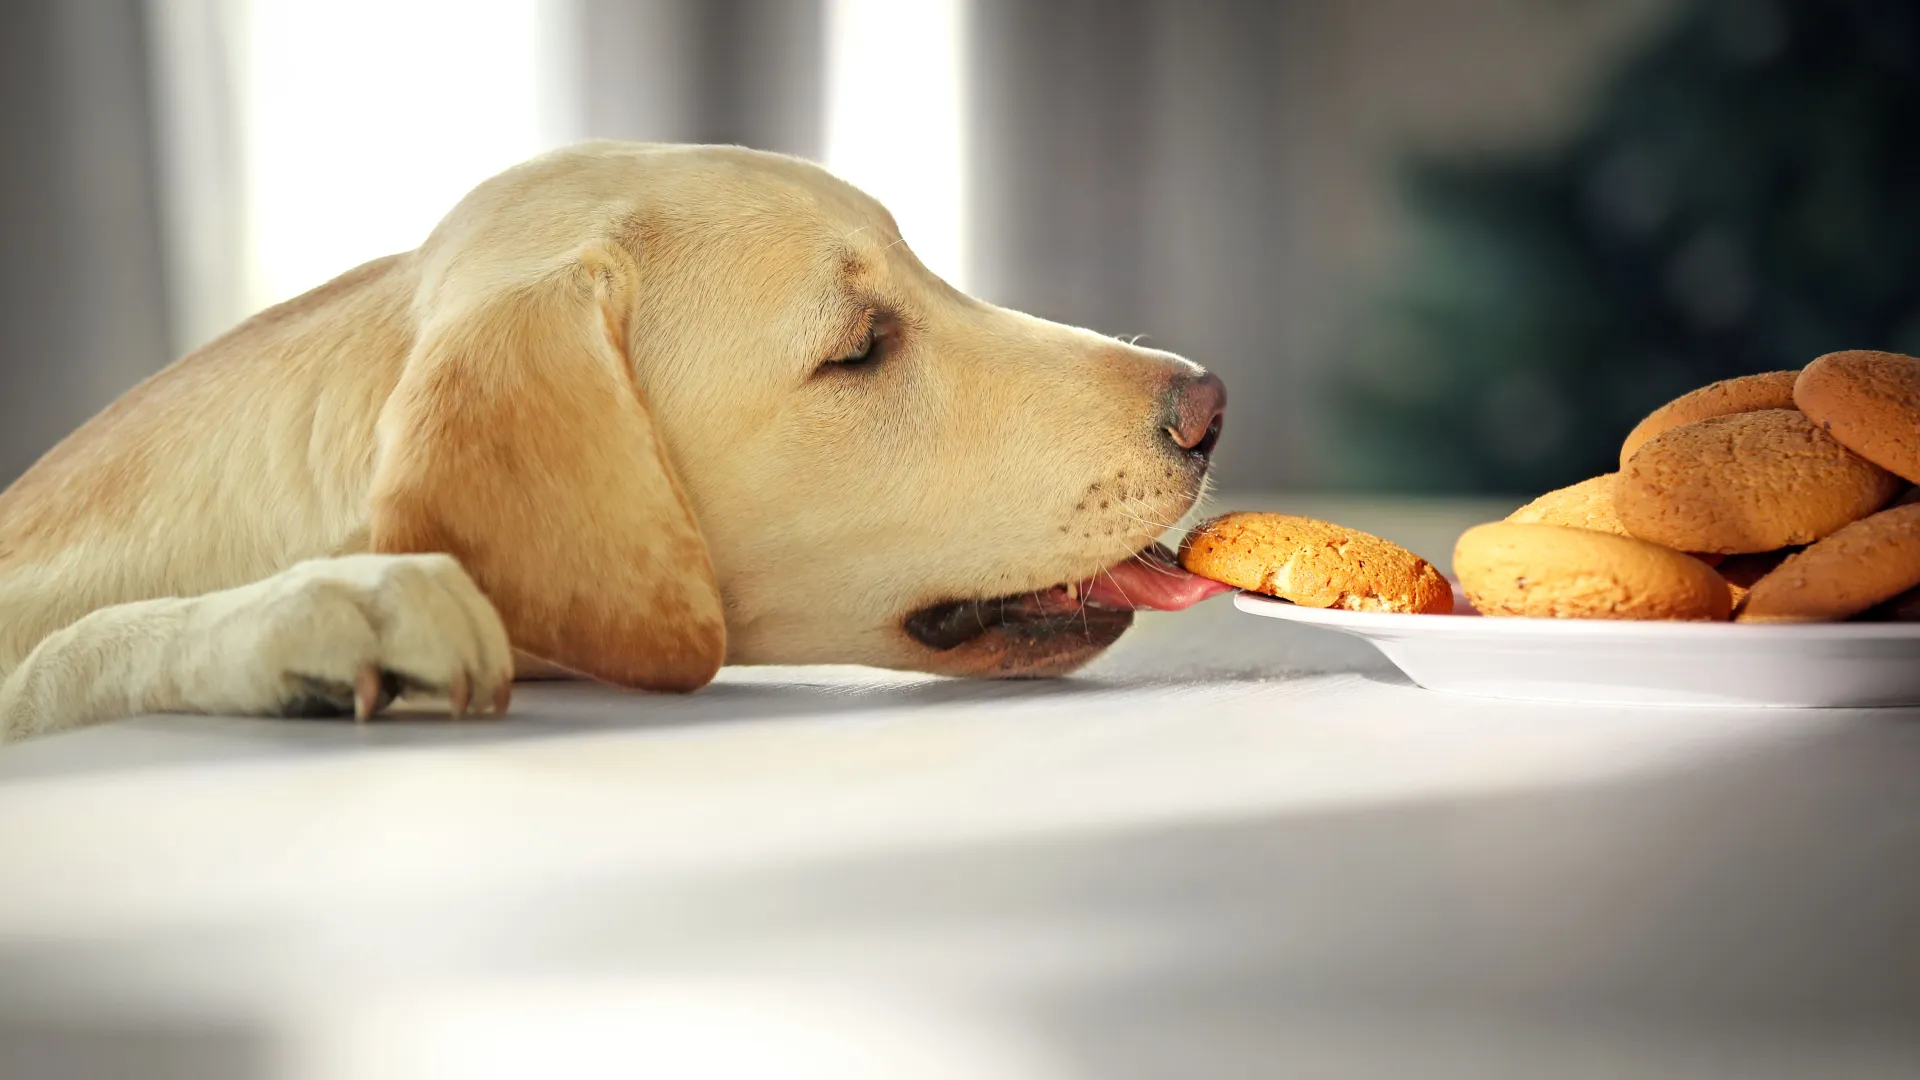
(518, 442)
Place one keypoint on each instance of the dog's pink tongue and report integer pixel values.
(1156, 585)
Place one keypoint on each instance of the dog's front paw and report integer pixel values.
(347, 636)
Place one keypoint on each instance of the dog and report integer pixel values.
(631, 412)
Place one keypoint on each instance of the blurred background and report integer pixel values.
(1432, 245)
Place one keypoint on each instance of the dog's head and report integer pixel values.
(673, 405)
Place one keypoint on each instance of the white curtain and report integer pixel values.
(302, 137)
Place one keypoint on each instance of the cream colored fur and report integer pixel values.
(598, 386)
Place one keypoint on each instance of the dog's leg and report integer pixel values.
(340, 636)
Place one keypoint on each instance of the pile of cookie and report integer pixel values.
(1779, 497)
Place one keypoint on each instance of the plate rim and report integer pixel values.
(1480, 625)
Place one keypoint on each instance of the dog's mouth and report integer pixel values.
(1045, 629)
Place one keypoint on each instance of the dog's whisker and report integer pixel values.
(1161, 525)
(1154, 566)
(1144, 520)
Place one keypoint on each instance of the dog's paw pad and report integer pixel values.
(314, 696)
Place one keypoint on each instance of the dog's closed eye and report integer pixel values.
(868, 350)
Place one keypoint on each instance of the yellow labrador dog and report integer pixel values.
(631, 412)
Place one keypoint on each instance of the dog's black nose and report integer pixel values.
(1196, 406)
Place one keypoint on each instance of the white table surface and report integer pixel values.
(1235, 847)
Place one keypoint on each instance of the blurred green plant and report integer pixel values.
(1745, 196)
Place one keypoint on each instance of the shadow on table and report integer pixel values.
(554, 710)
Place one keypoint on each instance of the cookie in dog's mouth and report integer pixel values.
(1060, 626)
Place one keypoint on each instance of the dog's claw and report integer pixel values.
(366, 692)
(502, 698)
(462, 694)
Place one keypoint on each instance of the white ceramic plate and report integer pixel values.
(1596, 661)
